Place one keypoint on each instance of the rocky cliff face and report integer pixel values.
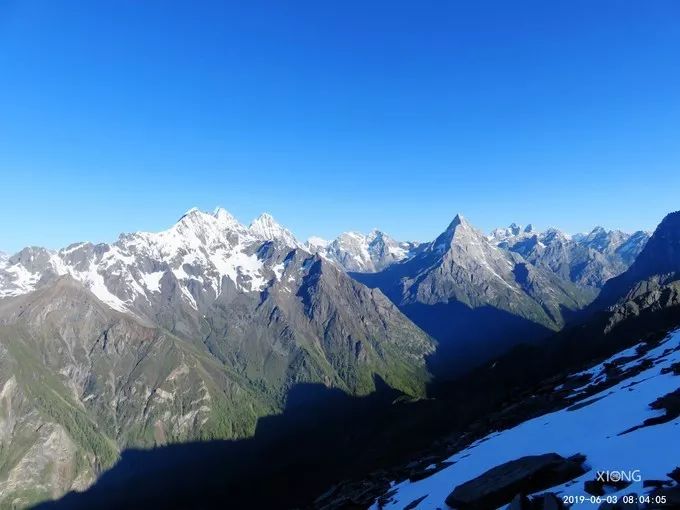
(657, 266)
(585, 259)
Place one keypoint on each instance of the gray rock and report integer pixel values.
(499, 485)
(585, 259)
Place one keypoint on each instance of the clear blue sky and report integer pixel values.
(118, 116)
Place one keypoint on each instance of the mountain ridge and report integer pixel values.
(191, 333)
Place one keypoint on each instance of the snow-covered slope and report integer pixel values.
(609, 427)
(201, 253)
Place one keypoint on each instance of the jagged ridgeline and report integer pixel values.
(196, 332)
(191, 333)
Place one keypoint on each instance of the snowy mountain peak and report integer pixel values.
(219, 215)
(375, 234)
(458, 222)
(457, 227)
(224, 217)
(189, 212)
(201, 253)
(459, 233)
(195, 216)
(362, 253)
(555, 233)
(266, 227)
(511, 233)
(315, 244)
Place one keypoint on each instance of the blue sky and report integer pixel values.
(119, 116)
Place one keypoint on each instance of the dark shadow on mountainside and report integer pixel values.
(467, 337)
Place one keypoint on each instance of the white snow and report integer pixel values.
(152, 281)
(278, 270)
(592, 430)
(315, 242)
(21, 281)
(266, 228)
(95, 282)
(241, 264)
(200, 247)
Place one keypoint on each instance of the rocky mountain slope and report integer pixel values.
(601, 395)
(654, 270)
(469, 293)
(190, 333)
(363, 253)
(585, 259)
(618, 415)
(198, 331)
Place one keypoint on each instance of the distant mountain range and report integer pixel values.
(369, 253)
(198, 331)
(585, 259)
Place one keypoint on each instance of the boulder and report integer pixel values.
(499, 485)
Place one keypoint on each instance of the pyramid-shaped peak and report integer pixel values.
(458, 229)
(266, 225)
(458, 220)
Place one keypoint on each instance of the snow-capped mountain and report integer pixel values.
(467, 293)
(315, 244)
(511, 233)
(362, 253)
(194, 332)
(202, 255)
(586, 259)
(266, 228)
(201, 329)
